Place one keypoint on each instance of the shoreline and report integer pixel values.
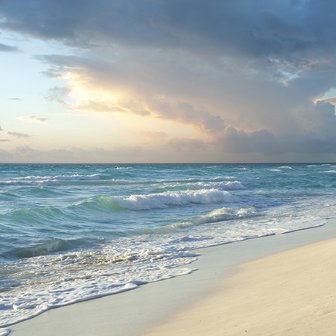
(137, 311)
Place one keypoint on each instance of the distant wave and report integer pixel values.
(229, 185)
(122, 168)
(274, 170)
(221, 185)
(185, 181)
(166, 199)
(333, 171)
(49, 179)
(280, 169)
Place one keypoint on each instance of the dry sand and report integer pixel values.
(290, 293)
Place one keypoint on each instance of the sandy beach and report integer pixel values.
(291, 293)
(284, 285)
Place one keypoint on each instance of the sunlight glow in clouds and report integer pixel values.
(168, 80)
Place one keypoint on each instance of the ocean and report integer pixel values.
(70, 233)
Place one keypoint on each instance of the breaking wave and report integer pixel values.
(224, 214)
(167, 199)
(47, 247)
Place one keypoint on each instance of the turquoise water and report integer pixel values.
(75, 232)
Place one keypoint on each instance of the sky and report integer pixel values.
(167, 81)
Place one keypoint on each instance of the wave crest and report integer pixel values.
(167, 199)
(223, 214)
(47, 247)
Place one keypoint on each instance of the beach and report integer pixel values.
(278, 285)
(291, 293)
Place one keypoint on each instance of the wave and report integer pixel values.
(46, 247)
(285, 167)
(274, 170)
(126, 263)
(36, 215)
(224, 214)
(50, 179)
(173, 182)
(332, 171)
(167, 199)
(230, 185)
(214, 216)
(222, 185)
(123, 168)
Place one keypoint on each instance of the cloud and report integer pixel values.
(121, 154)
(262, 28)
(188, 113)
(15, 98)
(8, 48)
(32, 119)
(58, 94)
(18, 135)
(304, 148)
(123, 106)
(149, 137)
(188, 146)
(245, 73)
(26, 154)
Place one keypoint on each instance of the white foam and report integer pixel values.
(275, 170)
(229, 185)
(332, 171)
(4, 331)
(129, 262)
(50, 179)
(85, 275)
(167, 199)
(122, 168)
(224, 214)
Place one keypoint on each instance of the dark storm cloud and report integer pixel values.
(287, 32)
(80, 20)
(265, 142)
(260, 28)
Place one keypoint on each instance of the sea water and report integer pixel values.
(70, 233)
